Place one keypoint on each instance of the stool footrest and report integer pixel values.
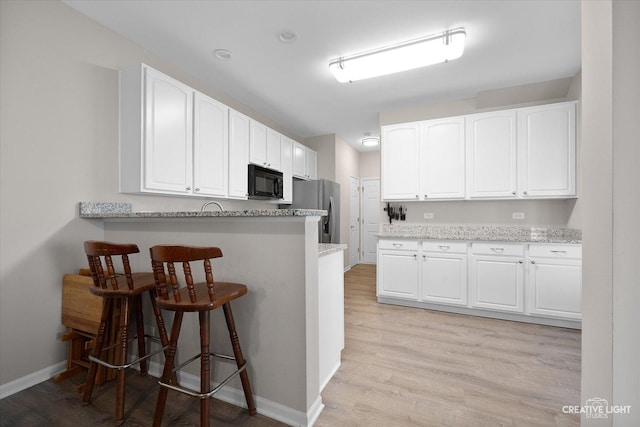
(210, 393)
(133, 362)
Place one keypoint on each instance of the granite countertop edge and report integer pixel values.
(98, 210)
(329, 248)
(513, 234)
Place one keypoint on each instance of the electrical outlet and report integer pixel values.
(428, 215)
(517, 215)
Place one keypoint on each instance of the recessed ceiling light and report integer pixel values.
(222, 54)
(287, 37)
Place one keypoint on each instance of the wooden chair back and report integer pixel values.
(170, 255)
(104, 275)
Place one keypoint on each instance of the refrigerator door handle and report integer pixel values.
(329, 223)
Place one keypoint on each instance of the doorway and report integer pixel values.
(354, 222)
(370, 218)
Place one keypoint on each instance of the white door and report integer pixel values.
(442, 159)
(491, 154)
(370, 216)
(399, 158)
(210, 146)
(354, 222)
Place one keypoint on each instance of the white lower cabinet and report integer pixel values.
(517, 281)
(496, 278)
(398, 269)
(555, 281)
(443, 271)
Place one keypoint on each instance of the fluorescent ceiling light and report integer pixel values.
(404, 56)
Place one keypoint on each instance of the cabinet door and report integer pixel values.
(442, 159)
(258, 143)
(400, 159)
(210, 146)
(547, 147)
(311, 164)
(238, 154)
(398, 274)
(168, 134)
(274, 149)
(497, 283)
(444, 278)
(299, 160)
(287, 169)
(555, 288)
(491, 154)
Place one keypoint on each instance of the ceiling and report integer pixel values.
(508, 43)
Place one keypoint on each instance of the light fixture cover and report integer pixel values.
(370, 141)
(404, 56)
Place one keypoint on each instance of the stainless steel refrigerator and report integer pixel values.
(321, 194)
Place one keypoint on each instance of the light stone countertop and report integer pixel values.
(124, 210)
(329, 248)
(482, 233)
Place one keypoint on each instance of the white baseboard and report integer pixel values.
(32, 379)
(227, 394)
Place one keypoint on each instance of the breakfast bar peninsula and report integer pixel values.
(274, 252)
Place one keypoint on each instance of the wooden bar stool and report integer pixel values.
(123, 291)
(201, 298)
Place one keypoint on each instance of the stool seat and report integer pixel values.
(225, 292)
(142, 282)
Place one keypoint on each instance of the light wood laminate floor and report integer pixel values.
(400, 367)
(412, 367)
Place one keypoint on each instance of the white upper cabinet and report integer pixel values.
(264, 146)
(442, 159)
(304, 162)
(258, 143)
(400, 160)
(518, 153)
(156, 124)
(210, 147)
(274, 150)
(491, 154)
(311, 163)
(547, 147)
(286, 157)
(239, 126)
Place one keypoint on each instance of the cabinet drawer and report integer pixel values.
(498, 248)
(445, 247)
(556, 251)
(399, 244)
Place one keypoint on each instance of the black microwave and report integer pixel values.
(265, 184)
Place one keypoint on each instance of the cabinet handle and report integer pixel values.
(426, 195)
(197, 189)
(397, 245)
(444, 247)
(188, 188)
(524, 192)
(424, 257)
(417, 197)
(513, 192)
(558, 252)
(499, 250)
(533, 262)
(520, 262)
(415, 256)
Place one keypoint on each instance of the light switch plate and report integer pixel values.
(517, 215)
(428, 215)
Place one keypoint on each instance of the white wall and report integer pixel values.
(325, 146)
(59, 146)
(611, 199)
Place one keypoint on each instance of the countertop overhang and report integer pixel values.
(124, 211)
